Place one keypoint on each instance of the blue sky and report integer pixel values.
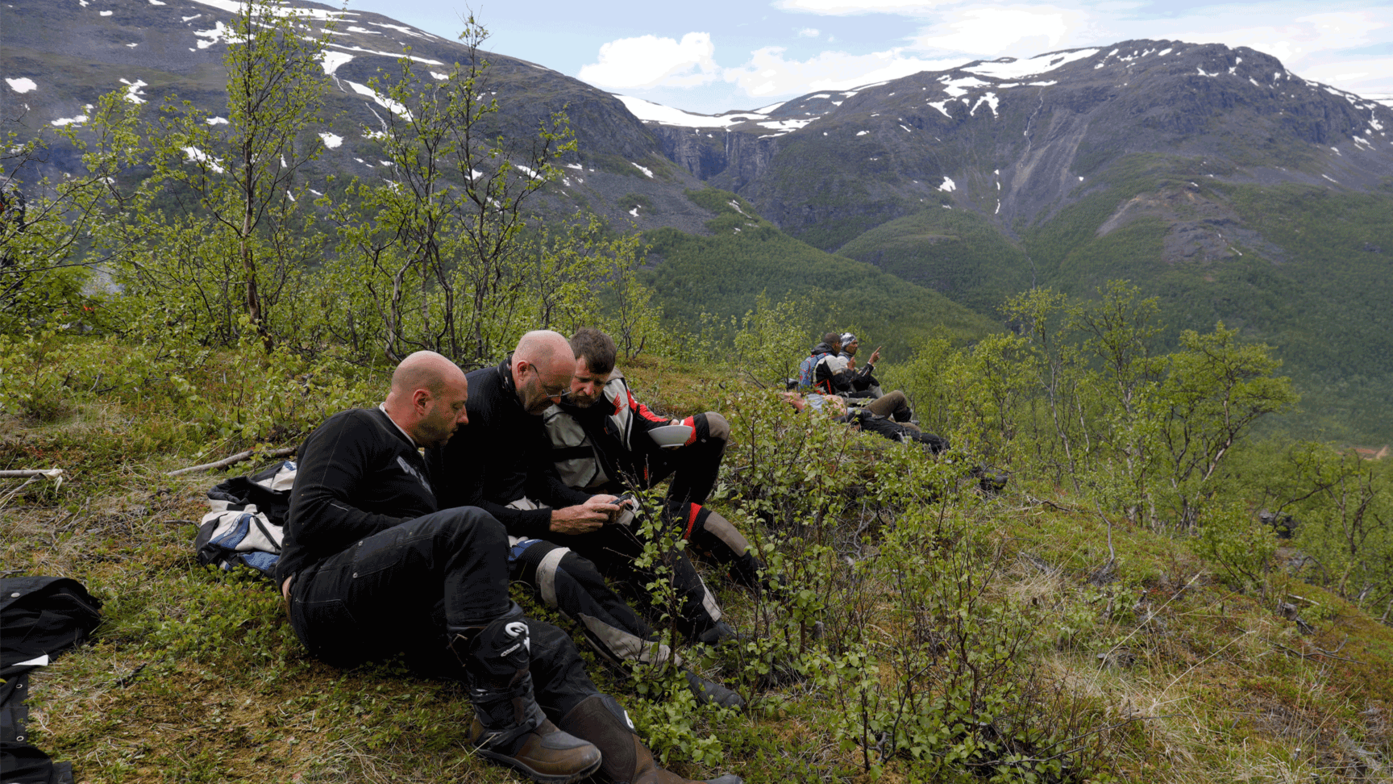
(722, 55)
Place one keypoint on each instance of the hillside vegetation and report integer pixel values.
(1291, 266)
(722, 276)
(929, 632)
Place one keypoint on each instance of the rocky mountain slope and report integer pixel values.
(59, 57)
(1213, 177)
(1017, 140)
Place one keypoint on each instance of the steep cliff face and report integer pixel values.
(1018, 140)
(723, 159)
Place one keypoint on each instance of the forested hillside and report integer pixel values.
(714, 276)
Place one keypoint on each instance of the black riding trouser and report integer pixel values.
(615, 550)
(407, 588)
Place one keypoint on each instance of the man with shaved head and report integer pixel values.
(370, 567)
(564, 542)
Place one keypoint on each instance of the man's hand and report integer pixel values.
(875, 356)
(584, 518)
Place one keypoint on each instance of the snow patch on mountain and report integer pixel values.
(78, 120)
(647, 111)
(411, 31)
(990, 100)
(1008, 68)
(133, 90)
(22, 85)
(217, 35)
(198, 156)
(959, 87)
(320, 14)
(381, 100)
(394, 55)
(332, 60)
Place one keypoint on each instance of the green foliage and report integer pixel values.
(986, 388)
(956, 252)
(1216, 388)
(43, 277)
(212, 222)
(771, 340)
(1079, 392)
(1243, 547)
(916, 630)
(435, 251)
(722, 275)
(1341, 507)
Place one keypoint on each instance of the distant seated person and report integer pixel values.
(850, 344)
(831, 405)
(831, 374)
(602, 441)
(864, 419)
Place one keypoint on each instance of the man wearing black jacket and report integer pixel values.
(502, 464)
(370, 566)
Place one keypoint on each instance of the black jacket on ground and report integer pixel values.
(40, 616)
(502, 455)
(358, 474)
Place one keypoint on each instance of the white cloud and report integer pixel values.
(1294, 41)
(849, 7)
(769, 73)
(809, 32)
(650, 61)
(995, 31)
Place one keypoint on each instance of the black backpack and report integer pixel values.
(41, 618)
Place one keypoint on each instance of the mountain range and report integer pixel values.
(1209, 176)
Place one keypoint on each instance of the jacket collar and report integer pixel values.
(505, 373)
(505, 379)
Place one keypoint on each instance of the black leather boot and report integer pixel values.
(508, 726)
(600, 720)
